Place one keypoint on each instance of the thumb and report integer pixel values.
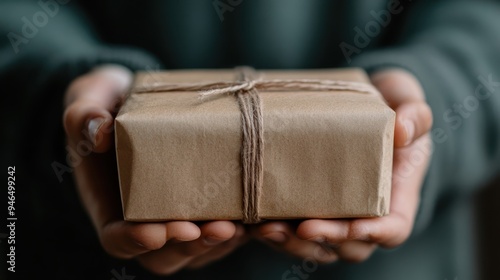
(92, 101)
(413, 120)
(405, 95)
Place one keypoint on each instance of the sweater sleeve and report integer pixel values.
(44, 46)
(452, 48)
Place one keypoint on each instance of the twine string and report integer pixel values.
(252, 143)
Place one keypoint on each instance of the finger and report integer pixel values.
(355, 251)
(398, 87)
(127, 239)
(100, 194)
(280, 236)
(88, 123)
(221, 250)
(403, 93)
(392, 230)
(412, 121)
(92, 101)
(175, 256)
(388, 231)
(329, 231)
(114, 79)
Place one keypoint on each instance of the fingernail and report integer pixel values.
(211, 241)
(410, 131)
(277, 237)
(93, 127)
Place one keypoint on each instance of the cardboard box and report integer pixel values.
(326, 154)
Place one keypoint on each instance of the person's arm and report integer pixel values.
(42, 49)
(447, 57)
(44, 63)
(452, 49)
(327, 240)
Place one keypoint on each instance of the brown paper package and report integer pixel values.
(327, 154)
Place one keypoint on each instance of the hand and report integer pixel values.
(356, 239)
(92, 102)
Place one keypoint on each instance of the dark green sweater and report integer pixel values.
(451, 46)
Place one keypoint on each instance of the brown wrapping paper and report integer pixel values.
(327, 154)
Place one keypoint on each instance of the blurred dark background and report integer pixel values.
(486, 212)
(33, 81)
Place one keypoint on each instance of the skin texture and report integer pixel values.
(91, 103)
(355, 240)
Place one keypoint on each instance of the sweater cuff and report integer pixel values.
(132, 58)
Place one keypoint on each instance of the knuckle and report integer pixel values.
(387, 83)
(357, 230)
(308, 229)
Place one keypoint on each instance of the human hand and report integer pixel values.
(355, 239)
(91, 103)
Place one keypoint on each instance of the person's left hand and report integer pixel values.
(91, 103)
(355, 240)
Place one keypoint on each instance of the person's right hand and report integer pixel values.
(91, 103)
(354, 240)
